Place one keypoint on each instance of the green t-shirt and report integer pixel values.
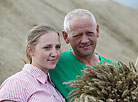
(67, 68)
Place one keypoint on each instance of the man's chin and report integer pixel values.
(85, 54)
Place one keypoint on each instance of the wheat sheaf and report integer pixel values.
(106, 83)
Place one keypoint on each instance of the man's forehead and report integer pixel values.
(79, 16)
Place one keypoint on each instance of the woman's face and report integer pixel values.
(47, 51)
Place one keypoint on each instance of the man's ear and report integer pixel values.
(97, 30)
(65, 36)
(29, 50)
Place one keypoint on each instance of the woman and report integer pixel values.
(33, 83)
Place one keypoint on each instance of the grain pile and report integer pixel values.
(106, 83)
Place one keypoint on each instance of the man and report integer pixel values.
(81, 32)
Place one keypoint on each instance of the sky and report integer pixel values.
(129, 3)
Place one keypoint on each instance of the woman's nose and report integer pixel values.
(54, 52)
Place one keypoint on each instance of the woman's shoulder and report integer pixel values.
(12, 87)
(17, 82)
(13, 81)
(18, 85)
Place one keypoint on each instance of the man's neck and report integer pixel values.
(91, 60)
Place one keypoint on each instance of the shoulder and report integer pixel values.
(66, 56)
(17, 87)
(66, 53)
(13, 88)
(102, 59)
(15, 82)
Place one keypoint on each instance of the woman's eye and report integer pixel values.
(58, 46)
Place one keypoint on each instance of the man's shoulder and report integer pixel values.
(67, 58)
(66, 52)
(102, 59)
(66, 55)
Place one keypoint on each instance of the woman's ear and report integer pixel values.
(65, 36)
(29, 50)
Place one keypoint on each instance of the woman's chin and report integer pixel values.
(52, 67)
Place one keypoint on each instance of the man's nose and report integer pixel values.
(84, 39)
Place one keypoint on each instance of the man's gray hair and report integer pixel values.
(75, 13)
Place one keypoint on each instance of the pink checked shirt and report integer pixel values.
(30, 85)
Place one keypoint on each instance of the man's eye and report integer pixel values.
(76, 36)
(90, 33)
(47, 48)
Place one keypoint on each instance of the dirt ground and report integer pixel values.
(118, 28)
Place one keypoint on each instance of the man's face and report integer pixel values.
(83, 36)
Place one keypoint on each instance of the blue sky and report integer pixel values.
(130, 3)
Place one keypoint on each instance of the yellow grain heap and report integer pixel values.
(106, 83)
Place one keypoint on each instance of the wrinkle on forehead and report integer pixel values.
(83, 17)
(82, 22)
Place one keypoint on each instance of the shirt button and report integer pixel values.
(45, 82)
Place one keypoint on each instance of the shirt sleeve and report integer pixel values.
(13, 89)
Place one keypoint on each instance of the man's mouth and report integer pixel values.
(85, 46)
